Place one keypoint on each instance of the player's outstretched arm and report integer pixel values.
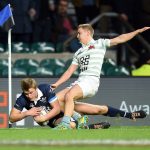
(65, 76)
(126, 37)
(17, 115)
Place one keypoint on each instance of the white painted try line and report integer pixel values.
(76, 142)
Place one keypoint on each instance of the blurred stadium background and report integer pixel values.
(58, 48)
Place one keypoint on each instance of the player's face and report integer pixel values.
(83, 35)
(31, 94)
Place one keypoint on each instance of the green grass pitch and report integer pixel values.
(40, 135)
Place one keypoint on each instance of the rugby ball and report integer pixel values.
(42, 113)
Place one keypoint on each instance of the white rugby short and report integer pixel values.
(88, 84)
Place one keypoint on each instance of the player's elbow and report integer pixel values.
(118, 40)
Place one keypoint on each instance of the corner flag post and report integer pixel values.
(9, 71)
(7, 22)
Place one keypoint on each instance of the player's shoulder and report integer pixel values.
(78, 51)
(103, 42)
(100, 40)
(22, 99)
(44, 88)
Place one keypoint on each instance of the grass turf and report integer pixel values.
(114, 133)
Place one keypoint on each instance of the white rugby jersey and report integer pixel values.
(90, 57)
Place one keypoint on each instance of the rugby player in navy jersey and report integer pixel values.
(41, 103)
(35, 99)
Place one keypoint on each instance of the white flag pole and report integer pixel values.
(9, 64)
(9, 71)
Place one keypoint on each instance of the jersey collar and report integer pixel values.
(88, 44)
(40, 94)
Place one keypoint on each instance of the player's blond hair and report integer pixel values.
(28, 83)
(87, 27)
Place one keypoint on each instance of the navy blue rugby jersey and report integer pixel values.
(45, 97)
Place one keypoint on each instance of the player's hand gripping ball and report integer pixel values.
(40, 119)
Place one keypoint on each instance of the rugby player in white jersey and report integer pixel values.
(89, 58)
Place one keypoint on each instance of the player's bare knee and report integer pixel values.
(101, 109)
(11, 119)
(104, 109)
(96, 111)
(68, 96)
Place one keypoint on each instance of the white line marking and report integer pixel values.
(76, 142)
